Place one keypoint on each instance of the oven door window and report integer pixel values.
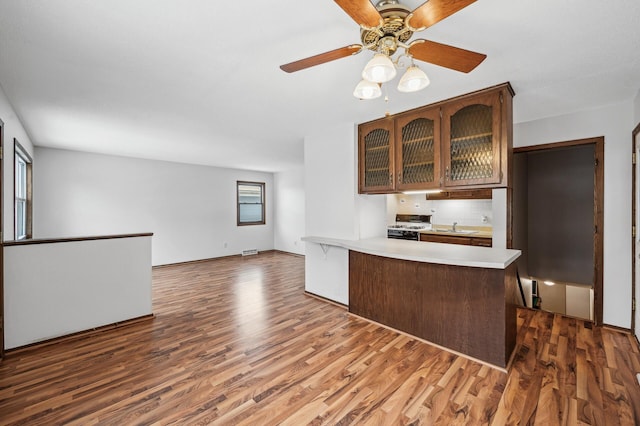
(403, 235)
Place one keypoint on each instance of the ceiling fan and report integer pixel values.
(388, 26)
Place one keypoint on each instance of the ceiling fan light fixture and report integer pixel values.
(379, 69)
(414, 79)
(367, 90)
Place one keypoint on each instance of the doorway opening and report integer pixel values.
(558, 223)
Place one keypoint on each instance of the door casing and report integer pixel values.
(635, 240)
(1, 242)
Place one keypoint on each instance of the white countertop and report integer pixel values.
(418, 251)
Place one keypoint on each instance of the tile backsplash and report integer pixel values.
(443, 212)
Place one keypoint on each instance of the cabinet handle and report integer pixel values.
(399, 177)
(390, 178)
(446, 173)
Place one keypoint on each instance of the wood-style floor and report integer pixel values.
(235, 341)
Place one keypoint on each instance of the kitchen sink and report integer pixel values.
(457, 231)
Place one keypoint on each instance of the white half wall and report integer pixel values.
(12, 129)
(289, 210)
(615, 123)
(190, 209)
(327, 272)
(54, 289)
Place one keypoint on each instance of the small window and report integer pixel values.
(22, 191)
(250, 203)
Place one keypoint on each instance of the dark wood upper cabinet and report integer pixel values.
(471, 141)
(461, 143)
(376, 157)
(418, 149)
(464, 194)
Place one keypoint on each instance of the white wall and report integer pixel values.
(12, 129)
(334, 209)
(371, 214)
(615, 123)
(190, 209)
(289, 212)
(329, 181)
(73, 297)
(636, 109)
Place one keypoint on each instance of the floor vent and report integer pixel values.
(249, 252)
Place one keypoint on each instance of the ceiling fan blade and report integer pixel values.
(434, 11)
(311, 61)
(445, 55)
(361, 11)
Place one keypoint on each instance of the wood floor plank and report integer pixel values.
(236, 341)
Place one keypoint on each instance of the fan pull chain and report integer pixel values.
(386, 102)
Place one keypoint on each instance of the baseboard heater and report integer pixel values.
(249, 252)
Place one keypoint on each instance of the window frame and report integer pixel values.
(20, 154)
(263, 202)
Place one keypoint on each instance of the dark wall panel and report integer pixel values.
(561, 212)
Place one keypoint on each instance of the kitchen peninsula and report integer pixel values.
(463, 298)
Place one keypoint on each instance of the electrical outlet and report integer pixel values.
(224, 244)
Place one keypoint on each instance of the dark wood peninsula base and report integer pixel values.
(470, 310)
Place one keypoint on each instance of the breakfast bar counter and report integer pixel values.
(462, 298)
(443, 254)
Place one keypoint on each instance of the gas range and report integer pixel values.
(408, 226)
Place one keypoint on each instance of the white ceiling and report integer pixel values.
(198, 81)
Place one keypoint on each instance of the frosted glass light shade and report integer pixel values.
(367, 90)
(413, 80)
(379, 69)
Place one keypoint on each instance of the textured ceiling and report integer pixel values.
(198, 81)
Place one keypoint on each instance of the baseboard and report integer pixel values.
(188, 262)
(616, 328)
(78, 334)
(324, 299)
(288, 253)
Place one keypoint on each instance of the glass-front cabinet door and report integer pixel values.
(376, 156)
(418, 150)
(471, 141)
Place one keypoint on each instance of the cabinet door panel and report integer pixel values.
(472, 141)
(418, 150)
(376, 156)
(482, 242)
(430, 238)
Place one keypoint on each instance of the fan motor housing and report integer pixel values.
(393, 27)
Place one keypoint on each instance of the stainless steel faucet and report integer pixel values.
(454, 226)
